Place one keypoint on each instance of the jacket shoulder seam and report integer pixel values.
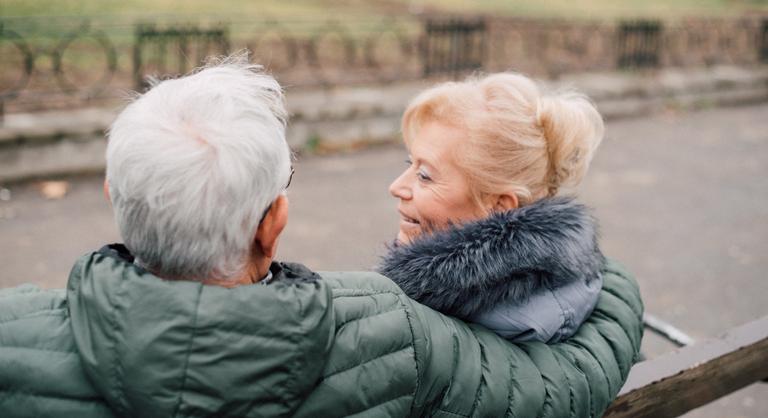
(338, 372)
(71, 353)
(37, 314)
(116, 369)
(350, 321)
(510, 391)
(409, 318)
(479, 391)
(52, 395)
(180, 402)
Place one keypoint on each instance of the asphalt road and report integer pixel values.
(682, 200)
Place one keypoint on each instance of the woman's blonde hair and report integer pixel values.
(518, 139)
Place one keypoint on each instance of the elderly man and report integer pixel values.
(191, 317)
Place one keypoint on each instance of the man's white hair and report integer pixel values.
(193, 164)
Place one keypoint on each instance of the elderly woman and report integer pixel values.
(483, 236)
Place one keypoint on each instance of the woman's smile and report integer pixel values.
(409, 227)
(408, 220)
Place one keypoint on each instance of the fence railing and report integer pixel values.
(639, 44)
(764, 42)
(174, 51)
(677, 382)
(53, 65)
(454, 46)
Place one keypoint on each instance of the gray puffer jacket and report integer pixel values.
(529, 274)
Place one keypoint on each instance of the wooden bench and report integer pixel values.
(677, 382)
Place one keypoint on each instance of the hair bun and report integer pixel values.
(573, 129)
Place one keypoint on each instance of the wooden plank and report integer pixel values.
(682, 380)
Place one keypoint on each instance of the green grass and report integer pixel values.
(136, 8)
(317, 9)
(603, 9)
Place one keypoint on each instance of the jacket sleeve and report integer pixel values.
(575, 378)
(40, 371)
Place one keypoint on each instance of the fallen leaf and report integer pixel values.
(54, 189)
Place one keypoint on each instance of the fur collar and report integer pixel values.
(471, 268)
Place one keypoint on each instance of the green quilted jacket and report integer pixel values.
(121, 342)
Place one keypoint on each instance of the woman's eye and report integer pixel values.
(421, 175)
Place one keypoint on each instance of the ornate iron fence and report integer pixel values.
(61, 63)
(53, 66)
(80, 63)
(331, 53)
(639, 44)
(83, 81)
(453, 46)
(12, 84)
(764, 41)
(174, 51)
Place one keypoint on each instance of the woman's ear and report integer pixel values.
(506, 202)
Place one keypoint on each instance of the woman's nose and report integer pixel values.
(400, 188)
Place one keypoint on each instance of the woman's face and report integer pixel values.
(433, 190)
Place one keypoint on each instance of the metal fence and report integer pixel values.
(174, 51)
(53, 66)
(61, 63)
(453, 46)
(764, 42)
(80, 62)
(639, 44)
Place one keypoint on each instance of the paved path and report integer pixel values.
(682, 199)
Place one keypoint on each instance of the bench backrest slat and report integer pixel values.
(682, 380)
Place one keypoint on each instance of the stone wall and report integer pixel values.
(554, 47)
(35, 145)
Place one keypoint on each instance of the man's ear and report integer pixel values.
(268, 233)
(505, 202)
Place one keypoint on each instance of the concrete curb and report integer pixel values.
(70, 142)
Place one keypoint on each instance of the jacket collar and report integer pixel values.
(156, 347)
(469, 269)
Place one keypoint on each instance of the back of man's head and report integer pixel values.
(193, 164)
